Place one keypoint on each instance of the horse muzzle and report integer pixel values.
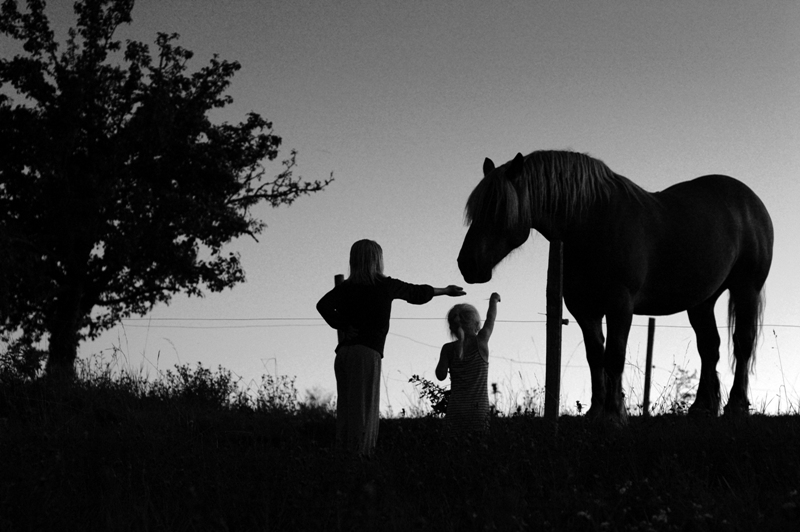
(472, 273)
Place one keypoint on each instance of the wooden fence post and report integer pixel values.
(651, 332)
(338, 279)
(552, 383)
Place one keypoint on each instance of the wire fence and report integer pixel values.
(513, 364)
(285, 322)
(136, 322)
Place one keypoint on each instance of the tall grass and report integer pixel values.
(197, 449)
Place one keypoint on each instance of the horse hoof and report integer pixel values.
(737, 410)
(606, 417)
(594, 414)
(616, 422)
(701, 412)
(615, 419)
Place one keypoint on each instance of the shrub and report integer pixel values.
(436, 395)
(21, 360)
(277, 394)
(200, 386)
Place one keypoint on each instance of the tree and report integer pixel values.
(116, 189)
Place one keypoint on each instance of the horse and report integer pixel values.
(627, 251)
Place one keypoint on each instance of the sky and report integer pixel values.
(403, 100)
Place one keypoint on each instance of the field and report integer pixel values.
(191, 454)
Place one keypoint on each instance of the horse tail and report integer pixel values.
(745, 320)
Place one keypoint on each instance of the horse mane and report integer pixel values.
(551, 182)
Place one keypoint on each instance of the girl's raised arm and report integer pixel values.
(491, 314)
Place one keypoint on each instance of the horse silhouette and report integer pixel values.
(628, 251)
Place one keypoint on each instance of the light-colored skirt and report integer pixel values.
(358, 373)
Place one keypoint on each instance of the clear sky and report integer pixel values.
(403, 100)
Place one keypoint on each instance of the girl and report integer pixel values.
(360, 309)
(467, 358)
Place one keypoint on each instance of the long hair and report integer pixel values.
(460, 318)
(366, 262)
(549, 182)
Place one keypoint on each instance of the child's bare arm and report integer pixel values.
(491, 314)
(441, 367)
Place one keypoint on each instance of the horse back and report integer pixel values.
(675, 248)
(717, 206)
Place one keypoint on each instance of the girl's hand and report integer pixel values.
(495, 297)
(454, 291)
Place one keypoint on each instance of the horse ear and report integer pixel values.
(488, 167)
(515, 167)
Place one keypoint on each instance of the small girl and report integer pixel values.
(467, 358)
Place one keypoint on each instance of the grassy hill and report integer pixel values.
(191, 453)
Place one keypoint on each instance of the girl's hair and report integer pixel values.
(460, 318)
(366, 262)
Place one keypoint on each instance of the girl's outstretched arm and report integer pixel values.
(451, 290)
(441, 367)
(491, 314)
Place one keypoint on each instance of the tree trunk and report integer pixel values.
(63, 341)
(61, 358)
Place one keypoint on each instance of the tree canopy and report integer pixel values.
(116, 189)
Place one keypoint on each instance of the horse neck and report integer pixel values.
(549, 228)
(563, 221)
(554, 223)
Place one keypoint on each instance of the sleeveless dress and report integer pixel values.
(468, 405)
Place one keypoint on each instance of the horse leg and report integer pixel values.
(619, 326)
(593, 339)
(745, 308)
(704, 323)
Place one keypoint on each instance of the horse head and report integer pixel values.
(496, 211)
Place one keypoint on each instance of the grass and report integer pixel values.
(191, 451)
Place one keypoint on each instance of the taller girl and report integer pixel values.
(360, 308)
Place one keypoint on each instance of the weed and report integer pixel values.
(276, 395)
(678, 395)
(436, 395)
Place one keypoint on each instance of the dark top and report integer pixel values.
(367, 309)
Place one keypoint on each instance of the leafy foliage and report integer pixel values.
(20, 359)
(116, 189)
(432, 392)
(200, 385)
